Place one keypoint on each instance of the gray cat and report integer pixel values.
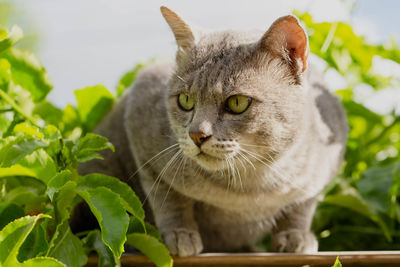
(234, 140)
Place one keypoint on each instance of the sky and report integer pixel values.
(84, 43)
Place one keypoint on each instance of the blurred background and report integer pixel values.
(83, 43)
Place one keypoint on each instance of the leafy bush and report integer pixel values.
(40, 150)
(42, 145)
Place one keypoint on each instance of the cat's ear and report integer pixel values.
(286, 37)
(183, 34)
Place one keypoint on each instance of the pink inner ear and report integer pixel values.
(296, 41)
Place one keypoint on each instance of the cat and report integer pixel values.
(233, 140)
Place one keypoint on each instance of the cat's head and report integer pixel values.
(237, 98)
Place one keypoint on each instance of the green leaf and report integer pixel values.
(5, 122)
(13, 37)
(55, 144)
(111, 215)
(136, 226)
(41, 164)
(17, 170)
(34, 244)
(71, 120)
(25, 196)
(152, 230)
(87, 146)
(93, 242)
(42, 262)
(151, 247)
(353, 201)
(337, 263)
(64, 201)
(14, 182)
(27, 71)
(14, 149)
(128, 197)
(66, 247)
(57, 182)
(49, 113)
(5, 74)
(27, 130)
(93, 103)
(21, 109)
(9, 212)
(375, 186)
(13, 236)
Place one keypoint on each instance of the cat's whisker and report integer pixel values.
(173, 179)
(180, 78)
(228, 174)
(243, 165)
(264, 146)
(281, 176)
(164, 171)
(239, 175)
(183, 176)
(260, 158)
(277, 166)
(154, 158)
(246, 159)
(233, 172)
(159, 175)
(236, 174)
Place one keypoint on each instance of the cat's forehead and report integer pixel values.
(217, 61)
(223, 62)
(228, 46)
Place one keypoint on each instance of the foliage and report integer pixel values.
(337, 263)
(40, 149)
(368, 184)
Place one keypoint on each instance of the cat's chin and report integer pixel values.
(210, 163)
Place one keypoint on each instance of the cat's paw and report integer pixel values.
(294, 241)
(183, 242)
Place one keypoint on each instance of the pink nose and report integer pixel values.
(199, 138)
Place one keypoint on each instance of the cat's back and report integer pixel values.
(330, 116)
(151, 82)
(146, 99)
(145, 118)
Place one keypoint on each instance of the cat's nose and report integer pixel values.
(199, 138)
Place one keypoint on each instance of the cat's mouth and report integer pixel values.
(202, 155)
(211, 162)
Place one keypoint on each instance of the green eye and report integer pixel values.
(237, 104)
(185, 102)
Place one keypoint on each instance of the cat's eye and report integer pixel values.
(237, 104)
(185, 102)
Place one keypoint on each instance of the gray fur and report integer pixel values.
(295, 129)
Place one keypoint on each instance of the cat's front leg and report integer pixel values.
(292, 230)
(173, 214)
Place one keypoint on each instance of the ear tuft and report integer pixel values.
(183, 34)
(288, 38)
